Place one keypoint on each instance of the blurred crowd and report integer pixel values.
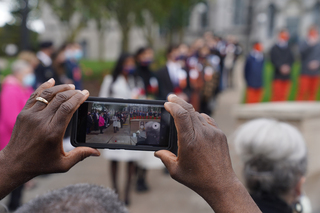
(283, 58)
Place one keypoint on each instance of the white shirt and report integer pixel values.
(175, 72)
(44, 58)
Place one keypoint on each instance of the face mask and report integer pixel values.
(78, 54)
(146, 62)
(29, 80)
(130, 69)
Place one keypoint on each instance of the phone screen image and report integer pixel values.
(128, 124)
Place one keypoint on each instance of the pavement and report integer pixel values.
(165, 195)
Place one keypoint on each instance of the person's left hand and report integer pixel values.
(35, 147)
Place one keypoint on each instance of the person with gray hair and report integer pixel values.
(275, 164)
(79, 198)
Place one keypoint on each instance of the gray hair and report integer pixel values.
(79, 198)
(274, 154)
(19, 65)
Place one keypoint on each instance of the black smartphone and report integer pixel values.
(123, 124)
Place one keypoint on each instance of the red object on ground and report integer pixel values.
(254, 95)
(280, 90)
(308, 88)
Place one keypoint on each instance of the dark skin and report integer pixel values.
(35, 147)
(203, 163)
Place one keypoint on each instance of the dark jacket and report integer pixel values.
(280, 56)
(308, 54)
(254, 72)
(44, 73)
(146, 74)
(165, 84)
(271, 203)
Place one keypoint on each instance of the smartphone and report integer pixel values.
(108, 123)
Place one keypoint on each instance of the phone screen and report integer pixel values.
(125, 124)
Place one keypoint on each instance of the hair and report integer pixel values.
(19, 65)
(29, 57)
(79, 198)
(140, 51)
(274, 154)
(119, 65)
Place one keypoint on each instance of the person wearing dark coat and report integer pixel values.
(89, 123)
(282, 59)
(254, 74)
(144, 57)
(172, 78)
(309, 80)
(44, 71)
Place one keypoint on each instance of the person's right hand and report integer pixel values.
(285, 69)
(35, 146)
(203, 162)
(203, 155)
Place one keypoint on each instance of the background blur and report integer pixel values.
(105, 28)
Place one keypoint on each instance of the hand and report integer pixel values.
(203, 155)
(35, 147)
(285, 69)
(314, 65)
(203, 162)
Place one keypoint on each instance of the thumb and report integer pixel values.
(79, 154)
(168, 159)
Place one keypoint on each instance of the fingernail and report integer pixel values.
(85, 92)
(96, 154)
(72, 86)
(51, 81)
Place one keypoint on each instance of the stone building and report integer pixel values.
(254, 20)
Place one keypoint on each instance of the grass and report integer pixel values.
(95, 70)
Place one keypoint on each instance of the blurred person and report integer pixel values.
(89, 123)
(101, 122)
(73, 54)
(123, 84)
(80, 198)
(172, 78)
(309, 80)
(275, 164)
(44, 70)
(229, 61)
(210, 176)
(59, 64)
(253, 73)
(16, 90)
(144, 58)
(282, 60)
(210, 75)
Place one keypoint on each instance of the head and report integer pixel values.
(144, 56)
(283, 35)
(125, 66)
(313, 32)
(275, 158)
(29, 57)
(47, 47)
(73, 51)
(172, 53)
(23, 71)
(258, 47)
(204, 52)
(80, 198)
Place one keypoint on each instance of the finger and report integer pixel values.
(168, 159)
(35, 94)
(201, 118)
(185, 105)
(76, 155)
(182, 119)
(210, 120)
(49, 94)
(66, 110)
(60, 98)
